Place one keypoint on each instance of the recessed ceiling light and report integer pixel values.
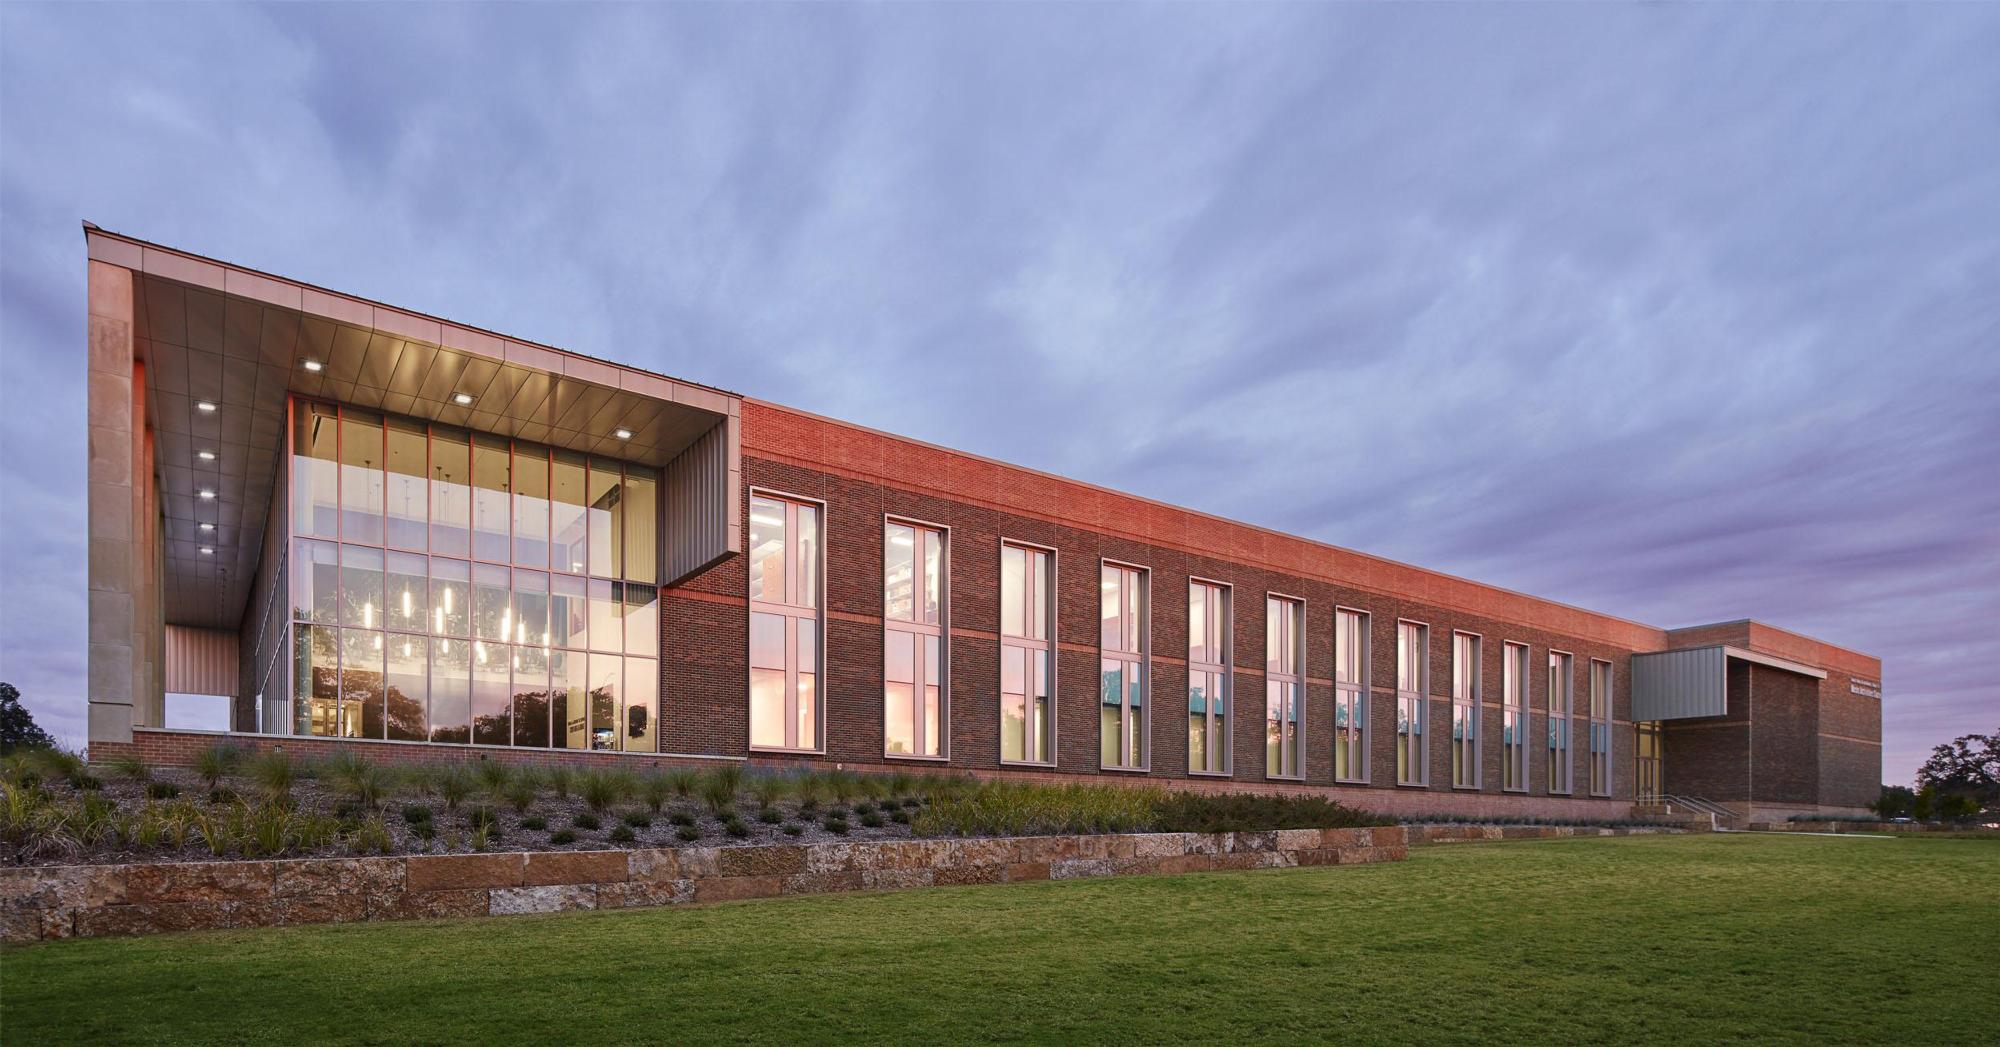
(204, 407)
(208, 550)
(315, 366)
(462, 399)
(205, 494)
(206, 456)
(208, 527)
(622, 434)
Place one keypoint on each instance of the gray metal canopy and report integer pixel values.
(1693, 682)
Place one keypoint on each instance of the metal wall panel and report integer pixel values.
(697, 489)
(1679, 685)
(200, 661)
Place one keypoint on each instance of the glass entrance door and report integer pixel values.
(1648, 764)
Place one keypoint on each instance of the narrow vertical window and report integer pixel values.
(1350, 696)
(1464, 711)
(362, 476)
(1561, 708)
(1514, 718)
(1600, 728)
(1122, 638)
(1027, 645)
(408, 496)
(1646, 748)
(1284, 687)
(913, 664)
(315, 470)
(531, 505)
(1209, 682)
(784, 624)
(1412, 702)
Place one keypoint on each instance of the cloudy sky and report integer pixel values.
(1677, 312)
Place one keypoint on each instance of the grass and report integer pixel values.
(1653, 939)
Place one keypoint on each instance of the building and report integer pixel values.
(365, 526)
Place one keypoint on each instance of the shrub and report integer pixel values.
(1241, 812)
(521, 794)
(535, 822)
(900, 817)
(793, 829)
(483, 836)
(481, 818)
(872, 820)
(162, 790)
(681, 781)
(687, 833)
(638, 819)
(654, 789)
(622, 834)
(495, 776)
(837, 826)
(586, 820)
(562, 836)
(423, 831)
(842, 786)
(454, 784)
(274, 774)
(130, 767)
(216, 762)
(601, 789)
(770, 816)
(736, 828)
(681, 818)
(1023, 809)
(864, 807)
(718, 788)
(86, 783)
(768, 789)
(561, 778)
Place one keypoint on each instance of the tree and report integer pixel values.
(17, 728)
(1896, 801)
(1968, 767)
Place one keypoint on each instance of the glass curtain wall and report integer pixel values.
(450, 586)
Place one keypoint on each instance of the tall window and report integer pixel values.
(1209, 681)
(913, 658)
(405, 628)
(1027, 647)
(1284, 687)
(1562, 705)
(1122, 638)
(1350, 696)
(784, 623)
(1412, 704)
(1464, 711)
(1600, 728)
(1514, 718)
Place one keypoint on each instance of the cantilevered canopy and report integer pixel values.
(209, 334)
(1693, 682)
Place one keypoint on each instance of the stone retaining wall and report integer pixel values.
(1424, 834)
(98, 900)
(1864, 827)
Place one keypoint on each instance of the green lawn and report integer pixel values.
(1679, 941)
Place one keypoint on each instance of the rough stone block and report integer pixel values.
(822, 882)
(661, 865)
(322, 908)
(644, 893)
(308, 877)
(21, 925)
(780, 860)
(1257, 841)
(1080, 868)
(1299, 839)
(896, 879)
(567, 897)
(735, 888)
(458, 872)
(968, 874)
(428, 905)
(1020, 872)
(69, 886)
(200, 882)
(559, 867)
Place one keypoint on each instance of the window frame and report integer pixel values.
(1050, 645)
(1600, 727)
(1422, 697)
(1226, 669)
(786, 610)
(1522, 711)
(1144, 658)
(1299, 633)
(1568, 719)
(1473, 704)
(942, 631)
(1364, 690)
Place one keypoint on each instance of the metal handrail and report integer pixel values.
(1699, 805)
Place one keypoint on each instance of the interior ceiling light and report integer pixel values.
(208, 527)
(206, 456)
(462, 399)
(315, 366)
(208, 550)
(205, 494)
(622, 433)
(204, 407)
